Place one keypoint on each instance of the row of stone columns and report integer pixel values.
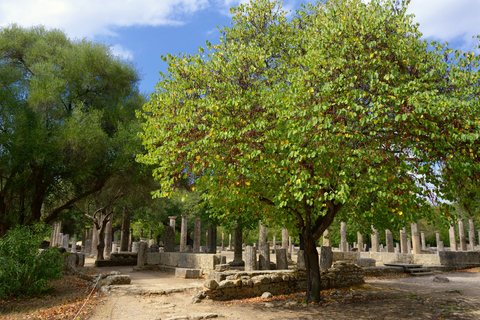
(415, 245)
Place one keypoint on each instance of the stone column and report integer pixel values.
(88, 242)
(471, 234)
(415, 239)
(422, 239)
(212, 239)
(250, 259)
(326, 257)
(453, 238)
(84, 238)
(172, 221)
(197, 235)
(274, 243)
(114, 247)
(264, 252)
(461, 234)
(360, 242)
(93, 251)
(74, 245)
(285, 239)
(142, 254)
(54, 238)
(237, 248)
(403, 241)
(409, 245)
(375, 244)
(326, 239)
(183, 234)
(281, 255)
(169, 239)
(343, 237)
(223, 241)
(389, 240)
(130, 241)
(290, 246)
(229, 242)
(437, 238)
(301, 259)
(262, 233)
(52, 235)
(135, 246)
(264, 256)
(397, 248)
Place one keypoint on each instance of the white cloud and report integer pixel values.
(448, 20)
(121, 52)
(87, 18)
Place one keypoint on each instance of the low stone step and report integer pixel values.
(417, 270)
(421, 274)
(186, 273)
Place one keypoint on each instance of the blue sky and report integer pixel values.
(142, 31)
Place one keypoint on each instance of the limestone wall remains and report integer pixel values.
(202, 261)
(237, 285)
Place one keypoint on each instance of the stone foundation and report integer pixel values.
(203, 261)
(238, 285)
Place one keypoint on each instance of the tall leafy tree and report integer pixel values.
(64, 105)
(340, 111)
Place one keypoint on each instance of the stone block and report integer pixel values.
(222, 267)
(210, 284)
(365, 262)
(118, 279)
(326, 257)
(187, 273)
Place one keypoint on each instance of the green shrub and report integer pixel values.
(24, 269)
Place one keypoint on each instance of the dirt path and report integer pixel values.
(394, 298)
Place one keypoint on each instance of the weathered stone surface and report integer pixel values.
(326, 257)
(122, 259)
(222, 267)
(264, 256)
(365, 262)
(441, 279)
(255, 283)
(250, 258)
(184, 260)
(187, 273)
(169, 239)
(301, 259)
(343, 237)
(118, 279)
(281, 255)
(210, 284)
(183, 234)
(142, 254)
(326, 242)
(453, 238)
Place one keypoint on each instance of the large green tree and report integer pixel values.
(340, 111)
(64, 107)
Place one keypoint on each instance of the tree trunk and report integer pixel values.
(312, 269)
(125, 229)
(103, 219)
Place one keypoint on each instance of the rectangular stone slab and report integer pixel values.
(187, 273)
